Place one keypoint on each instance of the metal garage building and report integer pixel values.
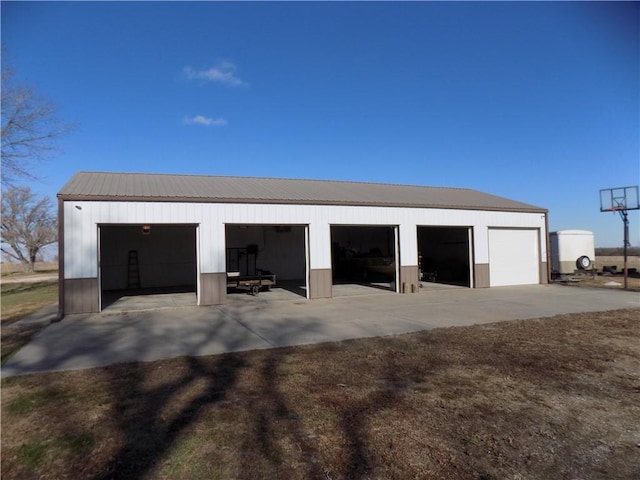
(136, 232)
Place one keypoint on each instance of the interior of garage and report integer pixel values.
(364, 255)
(275, 254)
(147, 260)
(443, 255)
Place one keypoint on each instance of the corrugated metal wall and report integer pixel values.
(82, 218)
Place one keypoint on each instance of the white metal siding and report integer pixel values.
(81, 232)
(513, 257)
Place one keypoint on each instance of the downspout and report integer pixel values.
(60, 261)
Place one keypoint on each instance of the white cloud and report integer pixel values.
(205, 121)
(223, 73)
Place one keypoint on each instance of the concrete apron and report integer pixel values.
(157, 301)
(265, 321)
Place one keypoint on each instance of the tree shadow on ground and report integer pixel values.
(152, 417)
(278, 430)
(148, 436)
(150, 411)
(355, 415)
(274, 419)
(377, 398)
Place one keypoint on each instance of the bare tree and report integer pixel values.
(29, 128)
(28, 225)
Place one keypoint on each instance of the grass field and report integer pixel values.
(19, 300)
(537, 399)
(17, 269)
(633, 261)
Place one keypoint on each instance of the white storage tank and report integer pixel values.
(572, 250)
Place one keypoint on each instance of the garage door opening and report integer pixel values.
(444, 256)
(267, 258)
(146, 266)
(363, 257)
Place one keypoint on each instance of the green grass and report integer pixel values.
(22, 299)
(39, 452)
(75, 444)
(25, 292)
(31, 454)
(29, 401)
(18, 301)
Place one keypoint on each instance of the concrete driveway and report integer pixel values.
(246, 323)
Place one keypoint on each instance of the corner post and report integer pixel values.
(60, 260)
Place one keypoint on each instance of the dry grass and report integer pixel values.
(633, 261)
(18, 269)
(537, 399)
(615, 282)
(607, 280)
(19, 300)
(22, 299)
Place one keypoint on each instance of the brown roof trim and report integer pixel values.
(108, 198)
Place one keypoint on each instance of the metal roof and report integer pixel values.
(220, 189)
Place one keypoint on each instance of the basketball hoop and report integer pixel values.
(621, 200)
(617, 208)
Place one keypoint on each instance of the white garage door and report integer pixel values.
(514, 257)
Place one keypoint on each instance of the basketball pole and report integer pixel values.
(625, 221)
(621, 200)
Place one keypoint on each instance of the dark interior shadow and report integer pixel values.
(363, 284)
(293, 286)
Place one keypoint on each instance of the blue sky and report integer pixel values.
(538, 102)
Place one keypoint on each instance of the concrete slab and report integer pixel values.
(431, 286)
(275, 294)
(264, 321)
(84, 341)
(42, 317)
(355, 289)
(133, 303)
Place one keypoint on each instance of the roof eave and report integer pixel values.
(134, 198)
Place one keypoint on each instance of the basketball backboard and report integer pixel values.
(619, 199)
